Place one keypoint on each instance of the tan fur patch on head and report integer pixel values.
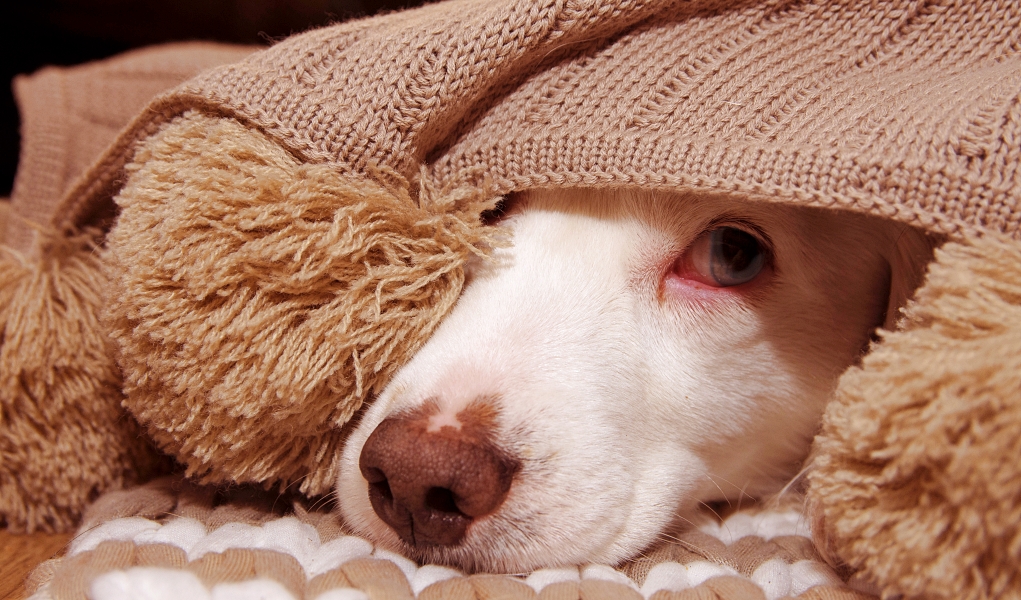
(915, 473)
(258, 300)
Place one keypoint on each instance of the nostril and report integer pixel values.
(441, 500)
(382, 490)
(379, 486)
(429, 484)
(374, 475)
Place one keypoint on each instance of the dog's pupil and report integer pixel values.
(736, 256)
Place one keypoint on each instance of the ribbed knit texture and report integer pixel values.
(906, 109)
(70, 115)
(246, 345)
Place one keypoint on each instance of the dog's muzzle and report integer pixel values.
(430, 479)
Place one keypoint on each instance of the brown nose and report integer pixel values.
(428, 481)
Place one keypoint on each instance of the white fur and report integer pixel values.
(629, 396)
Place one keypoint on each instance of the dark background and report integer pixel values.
(67, 32)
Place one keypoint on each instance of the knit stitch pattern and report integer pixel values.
(908, 109)
(172, 535)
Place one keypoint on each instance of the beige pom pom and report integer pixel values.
(64, 437)
(259, 300)
(915, 476)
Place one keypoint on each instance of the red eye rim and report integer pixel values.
(686, 270)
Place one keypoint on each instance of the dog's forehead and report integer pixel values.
(671, 213)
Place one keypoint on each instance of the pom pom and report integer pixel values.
(916, 479)
(259, 300)
(64, 437)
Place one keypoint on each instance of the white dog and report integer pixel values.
(629, 356)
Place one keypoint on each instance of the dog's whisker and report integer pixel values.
(742, 494)
(711, 509)
(669, 537)
(741, 489)
(793, 482)
(724, 494)
(680, 517)
(283, 492)
(296, 481)
(322, 501)
(692, 547)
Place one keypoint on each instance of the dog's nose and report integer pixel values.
(429, 477)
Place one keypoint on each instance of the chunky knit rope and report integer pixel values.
(171, 536)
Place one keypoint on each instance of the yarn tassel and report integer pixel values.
(260, 300)
(914, 480)
(64, 437)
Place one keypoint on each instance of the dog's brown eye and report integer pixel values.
(725, 257)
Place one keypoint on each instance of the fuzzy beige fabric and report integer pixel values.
(64, 437)
(816, 102)
(5, 214)
(311, 290)
(916, 472)
(506, 102)
(907, 109)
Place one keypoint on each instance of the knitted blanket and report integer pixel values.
(172, 539)
(364, 154)
(70, 115)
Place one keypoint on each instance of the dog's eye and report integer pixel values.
(724, 257)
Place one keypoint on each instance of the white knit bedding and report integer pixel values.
(304, 555)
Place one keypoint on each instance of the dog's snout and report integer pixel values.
(430, 476)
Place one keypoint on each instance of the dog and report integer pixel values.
(627, 357)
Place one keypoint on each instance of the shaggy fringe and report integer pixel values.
(64, 437)
(914, 479)
(260, 300)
